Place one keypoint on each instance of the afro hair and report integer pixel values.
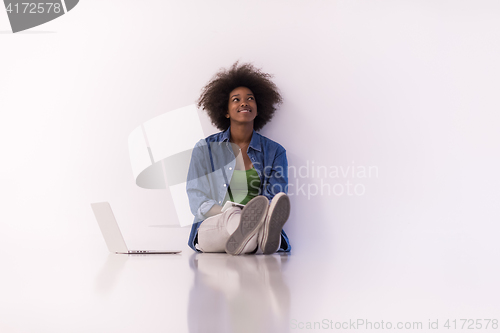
(215, 95)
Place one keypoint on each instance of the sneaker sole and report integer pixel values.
(272, 229)
(253, 216)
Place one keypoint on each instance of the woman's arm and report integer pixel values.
(201, 199)
(276, 175)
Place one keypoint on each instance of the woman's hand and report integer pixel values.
(216, 209)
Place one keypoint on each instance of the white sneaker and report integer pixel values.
(277, 215)
(252, 218)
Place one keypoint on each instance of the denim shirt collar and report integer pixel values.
(254, 142)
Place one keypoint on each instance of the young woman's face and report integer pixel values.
(241, 107)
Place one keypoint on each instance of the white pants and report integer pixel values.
(214, 232)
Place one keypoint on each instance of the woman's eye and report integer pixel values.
(250, 98)
(235, 100)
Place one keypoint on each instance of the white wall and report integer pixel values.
(407, 87)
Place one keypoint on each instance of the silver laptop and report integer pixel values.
(112, 234)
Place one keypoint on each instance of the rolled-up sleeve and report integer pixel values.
(277, 180)
(198, 188)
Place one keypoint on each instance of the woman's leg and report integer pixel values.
(214, 232)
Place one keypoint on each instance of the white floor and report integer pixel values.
(68, 287)
(407, 87)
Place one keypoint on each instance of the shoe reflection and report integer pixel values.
(235, 294)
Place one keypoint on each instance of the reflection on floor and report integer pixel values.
(238, 294)
(398, 280)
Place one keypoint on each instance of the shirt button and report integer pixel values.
(224, 185)
(230, 168)
(220, 201)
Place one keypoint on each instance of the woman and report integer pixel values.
(241, 166)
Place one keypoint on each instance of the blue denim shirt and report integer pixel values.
(211, 168)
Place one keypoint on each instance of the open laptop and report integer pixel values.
(112, 234)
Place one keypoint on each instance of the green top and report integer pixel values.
(244, 185)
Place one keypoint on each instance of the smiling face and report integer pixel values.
(242, 107)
